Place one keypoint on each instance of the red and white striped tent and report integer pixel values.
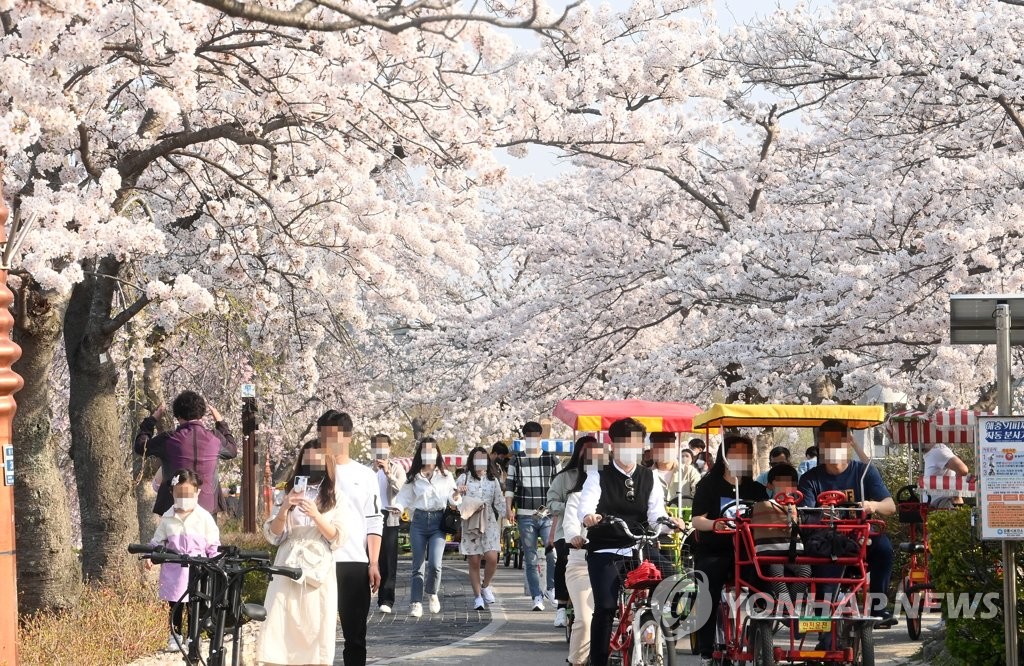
(452, 461)
(944, 426)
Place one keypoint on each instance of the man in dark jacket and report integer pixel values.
(189, 446)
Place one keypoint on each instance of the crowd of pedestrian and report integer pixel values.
(339, 521)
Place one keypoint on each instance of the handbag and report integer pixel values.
(451, 521)
(830, 543)
(314, 558)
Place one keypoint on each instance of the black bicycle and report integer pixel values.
(214, 596)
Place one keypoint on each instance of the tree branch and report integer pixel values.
(298, 17)
(134, 163)
(83, 148)
(112, 325)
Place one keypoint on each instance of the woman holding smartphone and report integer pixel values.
(302, 615)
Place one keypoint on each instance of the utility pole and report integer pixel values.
(249, 478)
(1003, 380)
(10, 383)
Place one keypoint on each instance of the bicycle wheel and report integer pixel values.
(916, 607)
(651, 645)
(863, 643)
(759, 637)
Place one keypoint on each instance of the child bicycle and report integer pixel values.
(640, 638)
(214, 595)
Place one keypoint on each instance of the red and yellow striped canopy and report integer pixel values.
(598, 415)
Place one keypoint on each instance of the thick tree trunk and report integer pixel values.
(101, 458)
(49, 572)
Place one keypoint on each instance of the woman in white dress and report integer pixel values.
(302, 615)
(481, 529)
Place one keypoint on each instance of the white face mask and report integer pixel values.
(532, 444)
(739, 466)
(185, 503)
(629, 455)
(835, 455)
(480, 463)
(701, 464)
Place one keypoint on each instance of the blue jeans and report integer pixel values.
(530, 529)
(427, 544)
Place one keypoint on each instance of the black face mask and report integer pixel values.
(502, 464)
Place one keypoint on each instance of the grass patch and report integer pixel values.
(109, 626)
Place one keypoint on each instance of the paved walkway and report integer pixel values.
(509, 632)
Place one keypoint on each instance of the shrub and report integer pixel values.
(109, 626)
(960, 563)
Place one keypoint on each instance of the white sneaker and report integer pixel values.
(560, 617)
(538, 603)
(478, 603)
(488, 594)
(706, 661)
(435, 603)
(416, 609)
(384, 608)
(175, 643)
(551, 596)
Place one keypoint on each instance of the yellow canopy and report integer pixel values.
(856, 417)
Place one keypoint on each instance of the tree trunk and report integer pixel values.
(49, 572)
(101, 459)
(145, 398)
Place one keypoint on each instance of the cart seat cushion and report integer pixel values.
(907, 547)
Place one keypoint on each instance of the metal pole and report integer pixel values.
(10, 383)
(1003, 381)
(249, 464)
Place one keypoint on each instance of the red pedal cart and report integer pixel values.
(749, 614)
(916, 428)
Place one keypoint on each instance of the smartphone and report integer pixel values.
(300, 484)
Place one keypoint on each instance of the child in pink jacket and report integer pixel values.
(188, 529)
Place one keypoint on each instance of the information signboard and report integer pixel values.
(1001, 473)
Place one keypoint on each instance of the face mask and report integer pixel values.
(532, 444)
(739, 466)
(836, 456)
(700, 464)
(480, 464)
(629, 456)
(665, 456)
(185, 503)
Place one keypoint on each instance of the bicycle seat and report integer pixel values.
(907, 547)
(254, 612)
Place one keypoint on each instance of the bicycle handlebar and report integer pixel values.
(290, 572)
(609, 520)
(144, 549)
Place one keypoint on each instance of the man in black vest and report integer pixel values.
(625, 490)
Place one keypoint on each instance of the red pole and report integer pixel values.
(10, 383)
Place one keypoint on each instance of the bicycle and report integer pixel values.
(640, 639)
(916, 578)
(510, 546)
(215, 596)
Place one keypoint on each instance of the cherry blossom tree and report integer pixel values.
(175, 161)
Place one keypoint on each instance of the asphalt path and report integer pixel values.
(511, 633)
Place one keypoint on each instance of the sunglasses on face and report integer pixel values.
(630, 495)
